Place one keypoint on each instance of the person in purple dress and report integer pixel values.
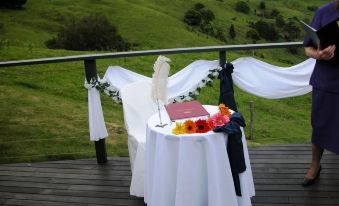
(325, 94)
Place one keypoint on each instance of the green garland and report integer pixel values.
(103, 86)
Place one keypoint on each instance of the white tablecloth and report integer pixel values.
(191, 170)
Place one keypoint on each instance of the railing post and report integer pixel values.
(222, 59)
(226, 83)
(251, 120)
(100, 147)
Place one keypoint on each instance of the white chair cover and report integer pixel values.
(138, 107)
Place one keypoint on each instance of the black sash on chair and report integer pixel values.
(235, 148)
(226, 87)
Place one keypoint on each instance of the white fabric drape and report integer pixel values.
(119, 77)
(195, 75)
(97, 128)
(251, 75)
(272, 82)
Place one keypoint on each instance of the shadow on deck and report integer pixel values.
(278, 171)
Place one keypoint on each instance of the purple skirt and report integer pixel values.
(325, 120)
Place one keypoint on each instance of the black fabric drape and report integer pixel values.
(235, 148)
(226, 87)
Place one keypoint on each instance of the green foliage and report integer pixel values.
(193, 18)
(262, 5)
(292, 4)
(242, 6)
(207, 28)
(198, 6)
(93, 32)
(280, 21)
(312, 8)
(220, 34)
(199, 16)
(266, 30)
(274, 13)
(2, 28)
(4, 43)
(207, 15)
(269, 14)
(253, 34)
(232, 32)
(293, 51)
(13, 4)
(291, 30)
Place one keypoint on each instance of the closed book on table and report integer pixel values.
(184, 110)
(325, 36)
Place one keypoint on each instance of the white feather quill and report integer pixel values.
(160, 78)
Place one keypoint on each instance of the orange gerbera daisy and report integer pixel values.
(202, 126)
(224, 110)
(189, 126)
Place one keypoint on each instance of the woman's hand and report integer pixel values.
(327, 53)
(324, 54)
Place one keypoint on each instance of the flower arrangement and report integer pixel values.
(201, 125)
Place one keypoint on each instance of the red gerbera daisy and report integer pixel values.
(202, 126)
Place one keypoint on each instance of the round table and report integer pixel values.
(191, 169)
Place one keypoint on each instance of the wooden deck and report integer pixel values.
(277, 170)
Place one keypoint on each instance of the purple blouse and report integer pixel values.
(325, 75)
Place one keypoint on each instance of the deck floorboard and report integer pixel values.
(277, 170)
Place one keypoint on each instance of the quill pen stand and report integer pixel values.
(161, 124)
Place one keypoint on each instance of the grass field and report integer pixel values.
(43, 108)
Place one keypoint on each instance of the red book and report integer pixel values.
(185, 110)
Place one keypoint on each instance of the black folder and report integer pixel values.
(325, 36)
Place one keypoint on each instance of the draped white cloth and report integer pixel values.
(97, 128)
(272, 82)
(251, 75)
(180, 84)
(119, 77)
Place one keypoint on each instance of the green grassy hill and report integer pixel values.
(43, 109)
